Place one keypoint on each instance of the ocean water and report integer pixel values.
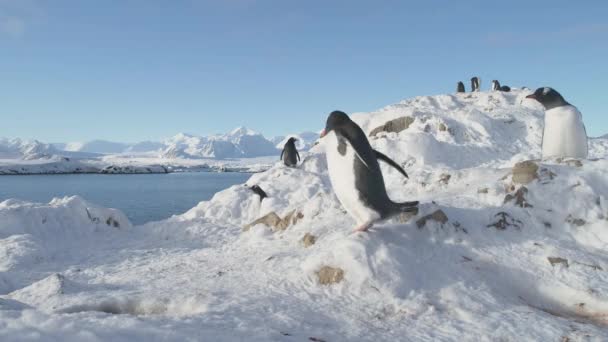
(143, 198)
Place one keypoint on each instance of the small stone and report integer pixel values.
(396, 126)
(557, 260)
(524, 172)
(437, 215)
(575, 221)
(519, 197)
(574, 163)
(406, 216)
(504, 221)
(330, 275)
(308, 240)
(445, 178)
(443, 127)
(482, 190)
(275, 221)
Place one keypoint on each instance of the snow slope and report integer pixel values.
(496, 268)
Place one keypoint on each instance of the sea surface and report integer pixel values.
(143, 198)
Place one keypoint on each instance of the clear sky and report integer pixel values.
(130, 70)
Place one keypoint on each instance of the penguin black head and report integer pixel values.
(336, 120)
(548, 97)
(495, 85)
(291, 140)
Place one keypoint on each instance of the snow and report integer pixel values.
(72, 271)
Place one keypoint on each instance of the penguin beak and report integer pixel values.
(531, 96)
(323, 133)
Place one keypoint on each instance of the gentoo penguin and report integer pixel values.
(564, 134)
(355, 174)
(497, 87)
(475, 82)
(460, 87)
(290, 154)
(256, 188)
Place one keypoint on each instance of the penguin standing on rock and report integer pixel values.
(460, 87)
(564, 134)
(290, 155)
(355, 173)
(475, 83)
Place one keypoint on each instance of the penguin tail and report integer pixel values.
(405, 208)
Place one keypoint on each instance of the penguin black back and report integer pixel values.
(460, 87)
(475, 83)
(290, 155)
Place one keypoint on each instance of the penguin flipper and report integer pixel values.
(283, 151)
(391, 162)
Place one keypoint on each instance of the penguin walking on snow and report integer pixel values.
(355, 174)
(290, 155)
(564, 134)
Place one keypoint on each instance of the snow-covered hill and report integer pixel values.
(496, 253)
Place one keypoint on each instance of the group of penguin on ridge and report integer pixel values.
(476, 83)
(356, 177)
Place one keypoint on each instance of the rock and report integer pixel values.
(275, 221)
(406, 216)
(112, 222)
(445, 178)
(557, 260)
(308, 240)
(575, 221)
(330, 275)
(519, 197)
(437, 215)
(482, 190)
(524, 172)
(505, 220)
(443, 127)
(574, 162)
(396, 126)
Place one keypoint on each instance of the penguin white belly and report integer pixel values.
(564, 133)
(341, 168)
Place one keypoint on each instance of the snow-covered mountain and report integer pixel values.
(25, 149)
(305, 140)
(499, 251)
(239, 143)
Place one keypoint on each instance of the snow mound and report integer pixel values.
(486, 258)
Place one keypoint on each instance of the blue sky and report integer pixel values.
(145, 70)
